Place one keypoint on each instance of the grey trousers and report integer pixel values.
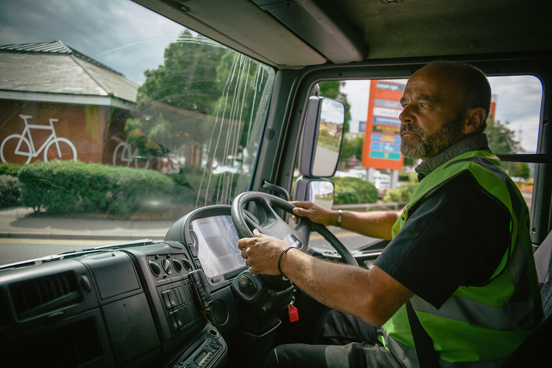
(340, 341)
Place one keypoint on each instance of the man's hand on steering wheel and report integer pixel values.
(315, 213)
(261, 253)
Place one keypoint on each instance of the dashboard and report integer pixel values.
(188, 301)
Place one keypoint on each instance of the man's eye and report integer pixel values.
(423, 104)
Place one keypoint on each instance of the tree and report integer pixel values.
(502, 140)
(179, 95)
(188, 77)
(520, 170)
(203, 92)
(352, 147)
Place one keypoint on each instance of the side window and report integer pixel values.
(372, 173)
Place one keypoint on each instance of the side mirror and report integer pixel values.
(322, 137)
(318, 191)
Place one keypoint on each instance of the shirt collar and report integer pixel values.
(465, 145)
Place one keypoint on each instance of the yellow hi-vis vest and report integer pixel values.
(477, 326)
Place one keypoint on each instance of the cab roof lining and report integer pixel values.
(411, 28)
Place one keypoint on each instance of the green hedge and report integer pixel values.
(9, 169)
(10, 189)
(401, 194)
(353, 190)
(61, 187)
(408, 176)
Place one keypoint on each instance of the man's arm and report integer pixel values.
(371, 295)
(373, 224)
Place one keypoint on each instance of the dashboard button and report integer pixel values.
(172, 297)
(166, 300)
(216, 279)
(246, 284)
(179, 300)
(172, 321)
(180, 291)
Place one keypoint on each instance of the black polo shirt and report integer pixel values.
(456, 237)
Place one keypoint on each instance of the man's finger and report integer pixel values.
(303, 204)
(298, 211)
(257, 233)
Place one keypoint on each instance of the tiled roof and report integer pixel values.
(53, 67)
(55, 47)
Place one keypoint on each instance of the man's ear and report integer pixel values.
(476, 118)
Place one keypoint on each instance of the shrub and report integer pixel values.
(408, 176)
(9, 169)
(216, 188)
(183, 192)
(350, 190)
(401, 194)
(62, 187)
(10, 189)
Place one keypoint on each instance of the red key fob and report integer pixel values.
(293, 313)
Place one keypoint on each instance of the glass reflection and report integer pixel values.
(330, 135)
(321, 192)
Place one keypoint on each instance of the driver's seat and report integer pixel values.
(535, 350)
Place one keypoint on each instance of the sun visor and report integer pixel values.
(242, 26)
(319, 25)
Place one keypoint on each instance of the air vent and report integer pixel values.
(186, 263)
(43, 295)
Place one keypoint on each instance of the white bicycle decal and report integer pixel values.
(124, 155)
(57, 144)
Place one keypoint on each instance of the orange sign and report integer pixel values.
(382, 141)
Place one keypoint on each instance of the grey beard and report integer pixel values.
(429, 145)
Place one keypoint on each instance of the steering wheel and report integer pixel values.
(270, 223)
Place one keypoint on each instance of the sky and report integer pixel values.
(131, 39)
(118, 33)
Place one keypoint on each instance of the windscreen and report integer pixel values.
(116, 121)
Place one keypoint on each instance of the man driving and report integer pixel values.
(460, 256)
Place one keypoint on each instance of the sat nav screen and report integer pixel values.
(216, 241)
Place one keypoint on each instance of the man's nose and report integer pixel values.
(405, 115)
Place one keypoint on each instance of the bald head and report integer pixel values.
(471, 83)
(443, 103)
